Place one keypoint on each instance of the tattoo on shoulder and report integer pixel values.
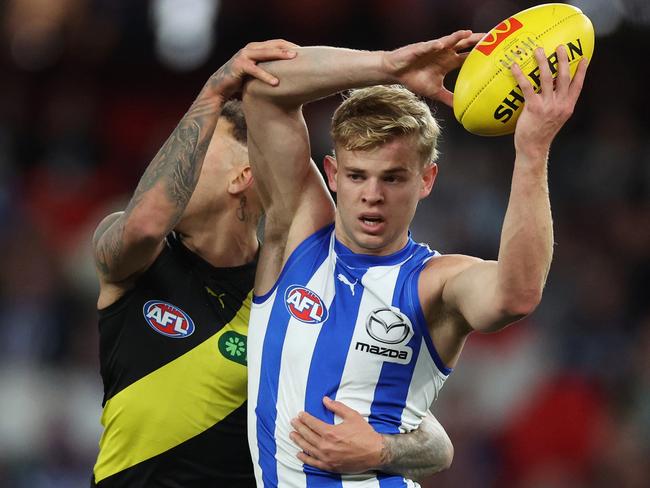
(107, 243)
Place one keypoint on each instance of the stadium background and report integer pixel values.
(89, 89)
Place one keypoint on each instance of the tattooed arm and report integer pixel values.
(418, 454)
(126, 243)
(353, 446)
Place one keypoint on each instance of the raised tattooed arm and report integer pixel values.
(126, 243)
(353, 446)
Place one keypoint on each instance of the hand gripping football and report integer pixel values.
(487, 99)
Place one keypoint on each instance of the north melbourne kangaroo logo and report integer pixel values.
(344, 279)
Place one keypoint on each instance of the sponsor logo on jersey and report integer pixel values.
(232, 345)
(390, 327)
(305, 305)
(497, 35)
(168, 319)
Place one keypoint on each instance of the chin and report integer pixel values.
(370, 244)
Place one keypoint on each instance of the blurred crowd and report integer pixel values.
(89, 89)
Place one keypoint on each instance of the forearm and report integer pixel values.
(418, 454)
(526, 248)
(162, 192)
(317, 72)
(169, 180)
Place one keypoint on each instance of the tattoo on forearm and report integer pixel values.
(418, 454)
(176, 168)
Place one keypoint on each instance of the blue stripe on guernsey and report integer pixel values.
(391, 389)
(391, 481)
(303, 248)
(329, 358)
(421, 323)
(266, 410)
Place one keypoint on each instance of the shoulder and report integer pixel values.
(104, 225)
(439, 270)
(446, 265)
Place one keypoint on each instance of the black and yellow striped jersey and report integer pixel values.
(173, 363)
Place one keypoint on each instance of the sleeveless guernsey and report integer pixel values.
(347, 326)
(173, 363)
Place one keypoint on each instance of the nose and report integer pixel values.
(372, 192)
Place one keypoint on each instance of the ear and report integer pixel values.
(240, 178)
(331, 170)
(429, 174)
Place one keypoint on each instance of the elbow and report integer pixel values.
(255, 101)
(521, 303)
(256, 92)
(447, 456)
(252, 91)
(259, 97)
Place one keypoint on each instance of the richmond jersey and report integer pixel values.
(173, 363)
(344, 325)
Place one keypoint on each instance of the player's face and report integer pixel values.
(377, 194)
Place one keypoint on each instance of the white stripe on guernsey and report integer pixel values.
(358, 481)
(379, 283)
(254, 343)
(422, 390)
(296, 359)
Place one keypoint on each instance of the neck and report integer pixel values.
(222, 239)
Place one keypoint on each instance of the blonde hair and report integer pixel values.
(370, 117)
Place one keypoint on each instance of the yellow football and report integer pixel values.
(487, 99)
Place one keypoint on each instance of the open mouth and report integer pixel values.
(371, 221)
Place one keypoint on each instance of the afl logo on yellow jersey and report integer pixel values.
(168, 319)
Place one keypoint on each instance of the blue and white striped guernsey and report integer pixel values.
(348, 326)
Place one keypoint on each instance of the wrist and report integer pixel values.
(382, 455)
(388, 68)
(533, 154)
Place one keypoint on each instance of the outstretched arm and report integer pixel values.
(490, 295)
(353, 446)
(294, 196)
(127, 242)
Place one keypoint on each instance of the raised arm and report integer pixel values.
(353, 446)
(125, 243)
(295, 198)
(490, 295)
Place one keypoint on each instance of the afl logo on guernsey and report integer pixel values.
(167, 319)
(305, 305)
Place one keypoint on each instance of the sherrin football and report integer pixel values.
(487, 99)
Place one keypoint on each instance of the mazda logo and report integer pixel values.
(388, 326)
